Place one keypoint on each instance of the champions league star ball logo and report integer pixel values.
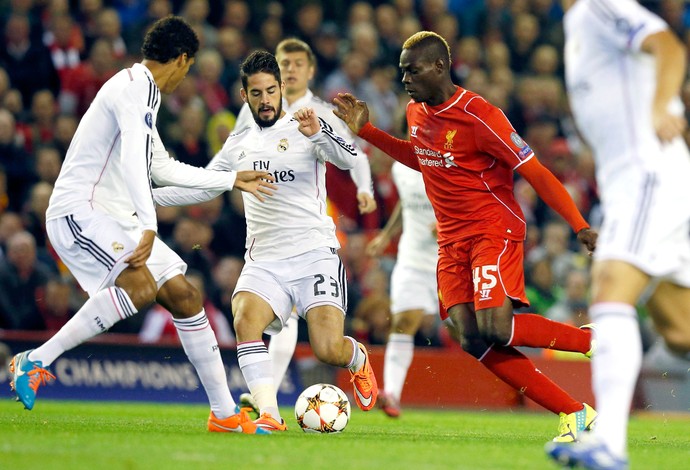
(283, 145)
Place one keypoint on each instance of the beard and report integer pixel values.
(267, 122)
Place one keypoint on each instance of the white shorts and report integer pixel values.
(413, 289)
(94, 245)
(646, 224)
(305, 281)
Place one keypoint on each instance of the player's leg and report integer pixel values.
(86, 246)
(281, 348)
(398, 357)
(669, 307)
(252, 315)
(326, 324)
(199, 342)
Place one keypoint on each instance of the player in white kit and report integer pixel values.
(291, 258)
(624, 71)
(101, 221)
(297, 67)
(414, 291)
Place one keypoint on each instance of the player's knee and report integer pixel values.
(678, 342)
(186, 301)
(473, 345)
(144, 294)
(327, 351)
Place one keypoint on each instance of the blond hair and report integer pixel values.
(430, 40)
(296, 45)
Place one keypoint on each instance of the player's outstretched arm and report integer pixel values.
(258, 183)
(352, 111)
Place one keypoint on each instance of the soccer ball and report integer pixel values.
(322, 408)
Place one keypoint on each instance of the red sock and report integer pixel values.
(535, 331)
(515, 369)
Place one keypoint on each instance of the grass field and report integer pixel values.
(89, 435)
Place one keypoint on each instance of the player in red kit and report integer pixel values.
(467, 150)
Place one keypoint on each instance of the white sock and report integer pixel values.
(96, 316)
(615, 368)
(200, 344)
(357, 360)
(255, 365)
(281, 349)
(396, 362)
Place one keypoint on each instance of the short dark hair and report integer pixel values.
(168, 39)
(259, 62)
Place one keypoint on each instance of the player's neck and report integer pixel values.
(161, 72)
(444, 94)
(292, 97)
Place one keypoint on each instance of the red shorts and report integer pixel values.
(483, 271)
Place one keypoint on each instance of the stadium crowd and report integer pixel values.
(56, 55)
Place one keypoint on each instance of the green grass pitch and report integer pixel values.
(90, 435)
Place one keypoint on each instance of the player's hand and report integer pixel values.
(258, 183)
(143, 250)
(377, 245)
(352, 111)
(366, 203)
(667, 126)
(308, 121)
(588, 238)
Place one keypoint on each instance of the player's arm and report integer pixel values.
(553, 193)
(670, 60)
(166, 171)
(328, 145)
(355, 114)
(393, 227)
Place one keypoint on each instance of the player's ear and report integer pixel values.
(243, 94)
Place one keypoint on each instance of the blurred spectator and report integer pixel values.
(545, 61)
(554, 247)
(21, 278)
(381, 94)
(230, 228)
(237, 14)
(270, 34)
(39, 128)
(364, 39)
(54, 304)
(87, 17)
(4, 85)
(386, 20)
(171, 109)
(372, 315)
(65, 127)
(26, 60)
(307, 21)
(572, 307)
(132, 30)
(34, 216)
(192, 148)
(467, 57)
(82, 85)
(108, 27)
(196, 13)
(218, 129)
(326, 47)
(232, 47)
(350, 77)
(15, 160)
(191, 239)
(65, 42)
(522, 41)
(360, 13)
(209, 67)
(226, 272)
(446, 25)
(10, 224)
(158, 322)
(4, 198)
(539, 287)
(430, 10)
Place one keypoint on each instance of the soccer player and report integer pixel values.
(102, 223)
(467, 150)
(291, 257)
(414, 293)
(297, 64)
(624, 72)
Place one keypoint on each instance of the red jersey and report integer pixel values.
(467, 151)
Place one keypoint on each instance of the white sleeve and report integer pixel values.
(177, 196)
(135, 120)
(361, 173)
(166, 171)
(627, 23)
(330, 147)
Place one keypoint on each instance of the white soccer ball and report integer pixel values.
(322, 408)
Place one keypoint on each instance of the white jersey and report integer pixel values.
(116, 152)
(611, 84)
(361, 173)
(293, 220)
(418, 247)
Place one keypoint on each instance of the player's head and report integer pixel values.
(262, 87)
(171, 41)
(297, 65)
(425, 64)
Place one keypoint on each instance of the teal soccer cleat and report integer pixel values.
(27, 376)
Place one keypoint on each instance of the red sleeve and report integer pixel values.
(552, 192)
(400, 150)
